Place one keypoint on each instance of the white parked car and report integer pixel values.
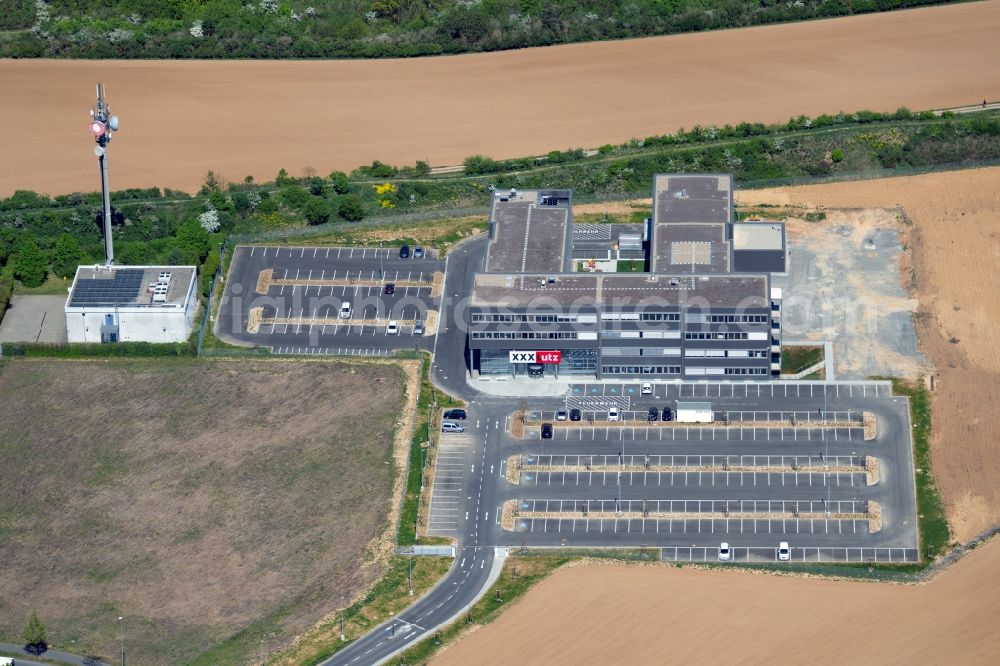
(724, 553)
(646, 388)
(345, 310)
(784, 552)
(614, 414)
(392, 328)
(561, 415)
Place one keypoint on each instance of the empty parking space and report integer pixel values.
(734, 390)
(687, 433)
(797, 554)
(632, 530)
(688, 479)
(448, 498)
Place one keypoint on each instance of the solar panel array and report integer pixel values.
(123, 288)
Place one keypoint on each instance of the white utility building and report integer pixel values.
(131, 304)
(694, 412)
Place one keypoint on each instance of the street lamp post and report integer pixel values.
(342, 611)
(262, 652)
(121, 629)
(381, 269)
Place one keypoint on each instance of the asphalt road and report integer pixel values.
(52, 655)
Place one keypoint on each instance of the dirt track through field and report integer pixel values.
(606, 614)
(180, 119)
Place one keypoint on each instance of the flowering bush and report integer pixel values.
(209, 221)
(386, 194)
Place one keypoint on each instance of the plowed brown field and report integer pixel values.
(603, 614)
(180, 119)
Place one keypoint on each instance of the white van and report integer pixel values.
(6, 661)
(345, 310)
(614, 414)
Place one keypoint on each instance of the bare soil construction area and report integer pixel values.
(954, 248)
(180, 119)
(197, 499)
(665, 615)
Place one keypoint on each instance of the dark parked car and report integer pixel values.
(404, 252)
(546, 431)
(653, 414)
(667, 414)
(455, 415)
(390, 288)
(574, 414)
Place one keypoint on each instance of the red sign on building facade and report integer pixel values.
(548, 357)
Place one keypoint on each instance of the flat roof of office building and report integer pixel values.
(527, 237)
(690, 214)
(699, 198)
(124, 286)
(690, 249)
(615, 290)
(758, 236)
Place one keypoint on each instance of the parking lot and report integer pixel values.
(299, 296)
(817, 484)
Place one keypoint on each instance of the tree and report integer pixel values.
(212, 184)
(193, 240)
(30, 265)
(34, 635)
(67, 256)
(317, 211)
(422, 169)
(339, 182)
(241, 204)
(176, 257)
(350, 207)
(295, 196)
(282, 179)
(317, 187)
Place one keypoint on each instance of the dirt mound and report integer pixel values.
(180, 119)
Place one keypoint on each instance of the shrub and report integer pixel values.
(350, 207)
(339, 182)
(317, 211)
(837, 155)
(6, 290)
(30, 265)
(295, 196)
(480, 164)
(208, 270)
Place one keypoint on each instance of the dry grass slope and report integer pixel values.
(196, 498)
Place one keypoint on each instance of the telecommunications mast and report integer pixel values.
(102, 126)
